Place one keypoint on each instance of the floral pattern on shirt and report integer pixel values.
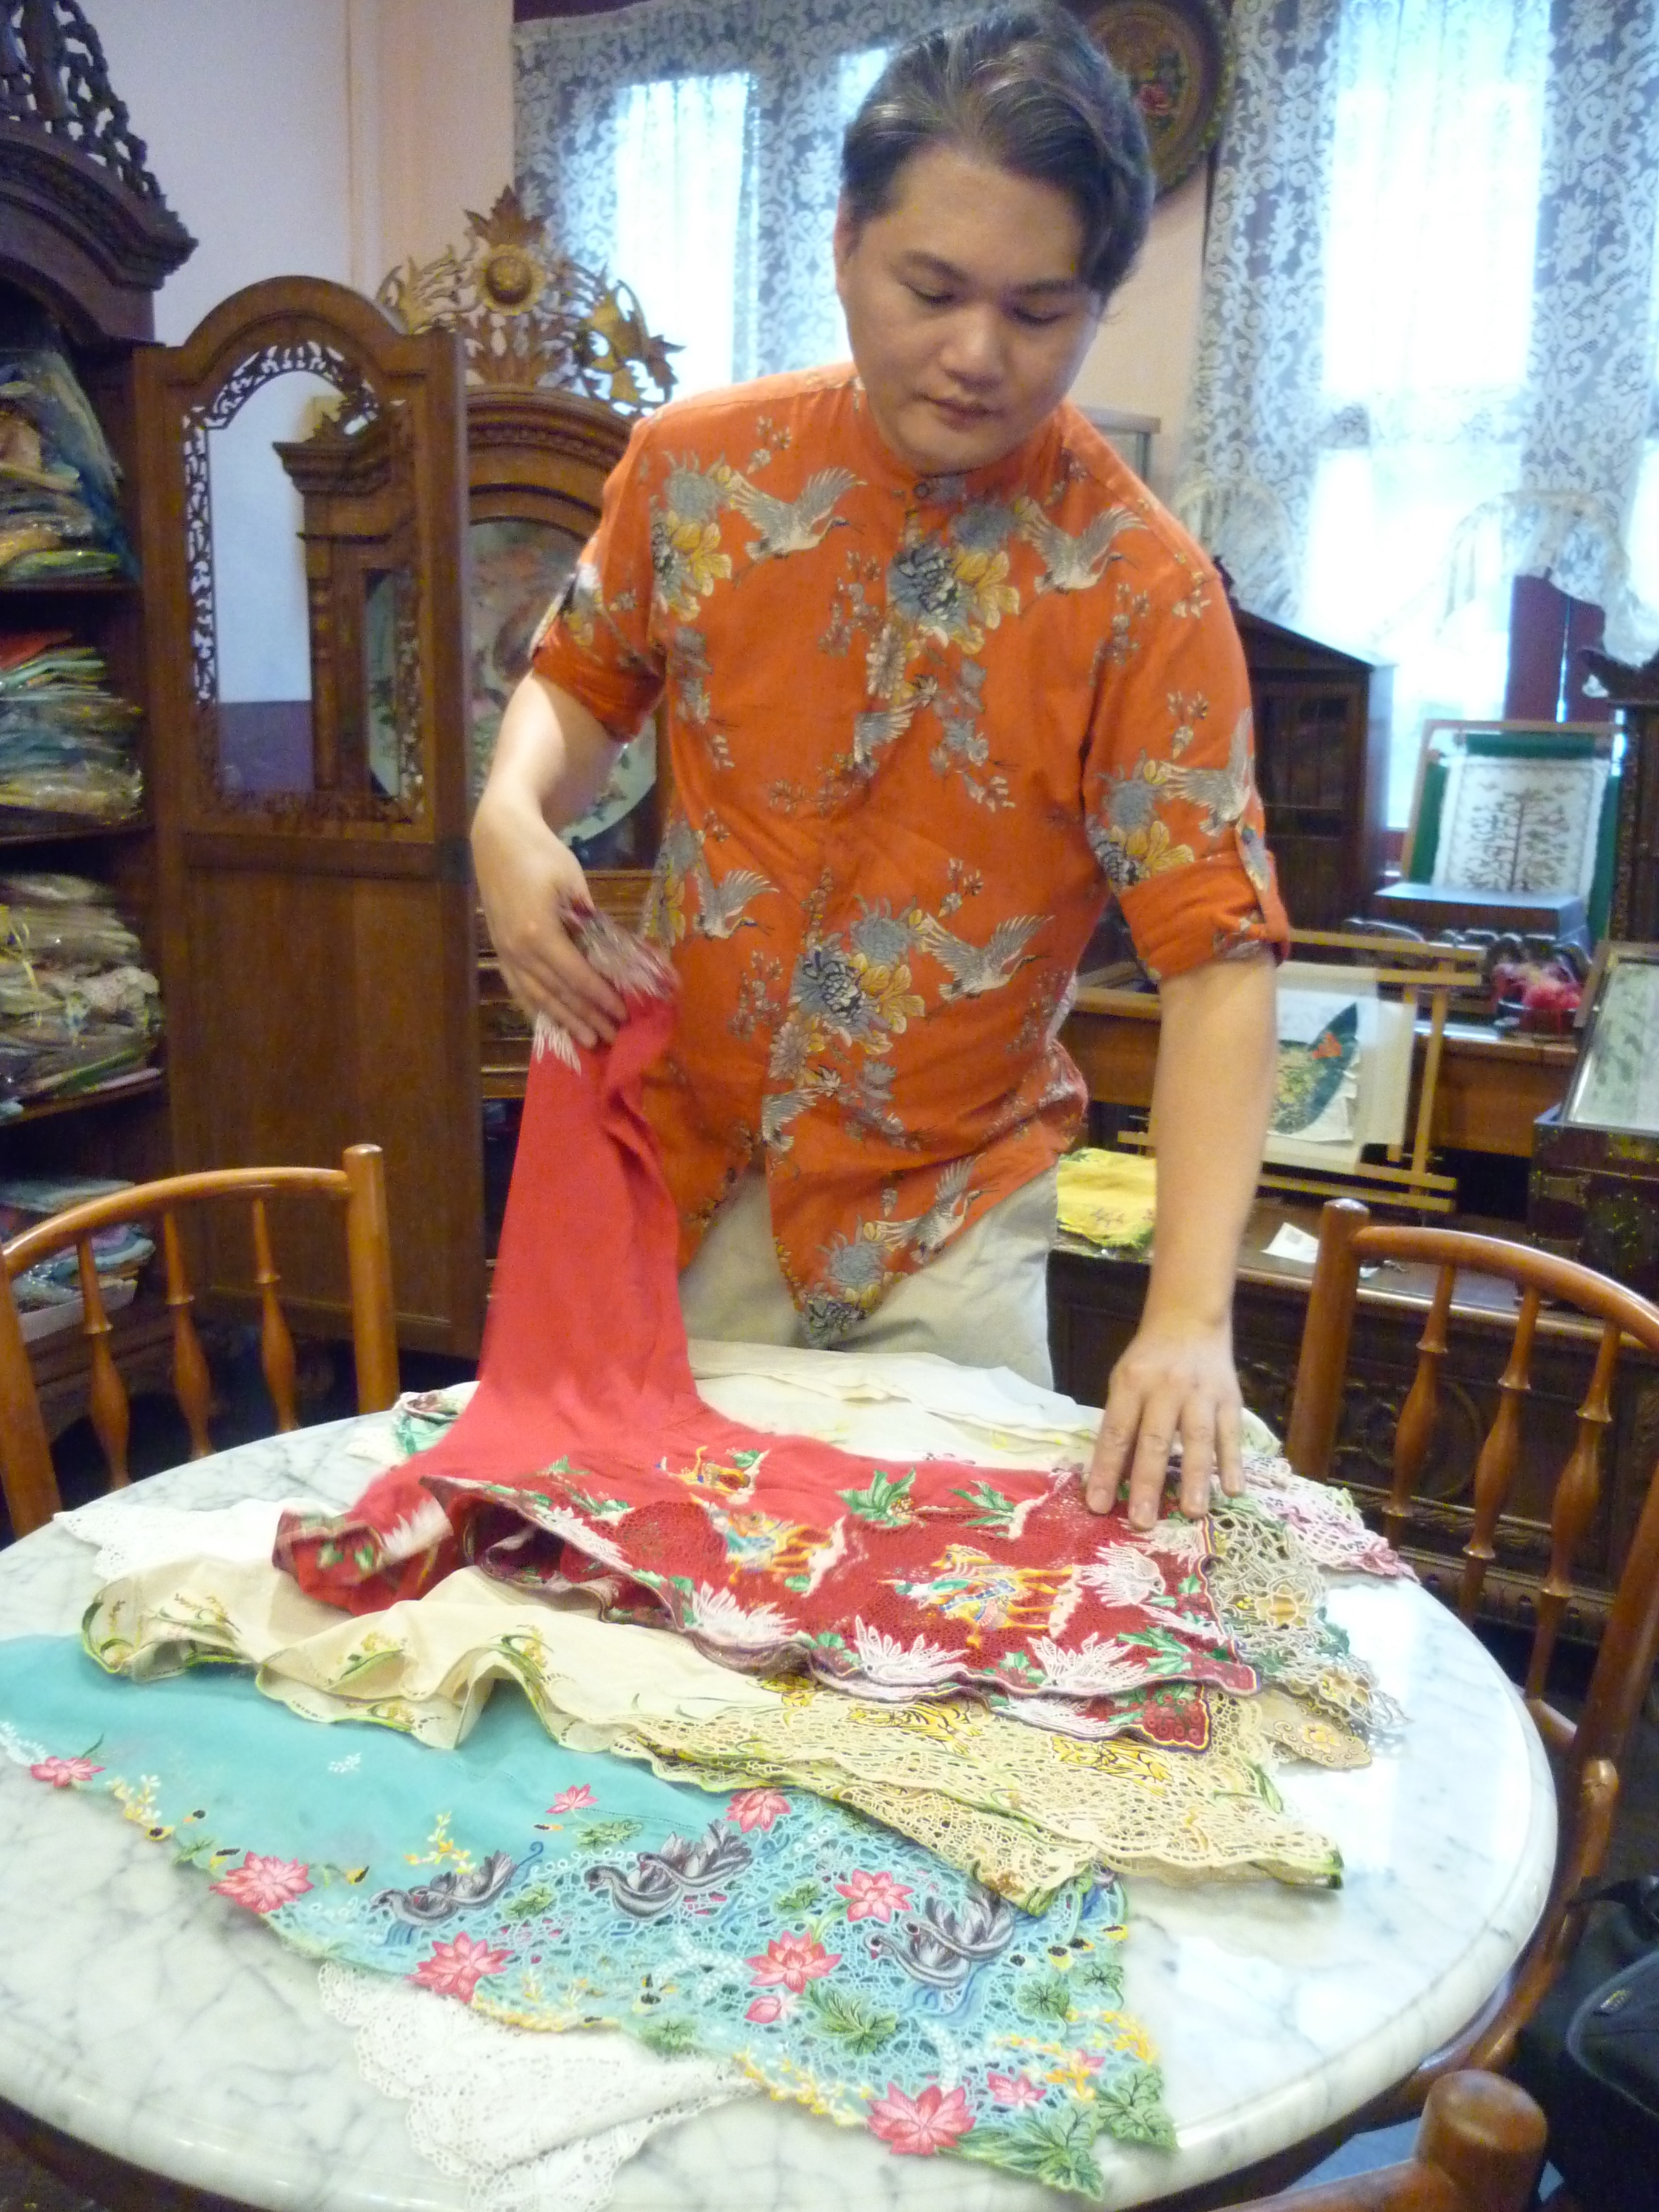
(919, 731)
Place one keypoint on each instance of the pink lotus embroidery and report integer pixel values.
(1014, 2088)
(571, 1800)
(455, 1969)
(263, 1884)
(915, 2126)
(765, 2010)
(791, 1961)
(63, 1772)
(757, 1808)
(873, 1896)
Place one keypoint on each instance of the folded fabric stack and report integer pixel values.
(77, 1006)
(59, 497)
(66, 741)
(828, 1759)
(1109, 1198)
(48, 1294)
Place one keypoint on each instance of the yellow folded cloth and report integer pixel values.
(1109, 1197)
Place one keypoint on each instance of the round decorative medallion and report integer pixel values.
(1178, 56)
(510, 280)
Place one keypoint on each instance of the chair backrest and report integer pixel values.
(1480, 2148)
(358, 1186)
(1591, 1749)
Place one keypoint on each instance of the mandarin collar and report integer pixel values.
(1032, 459)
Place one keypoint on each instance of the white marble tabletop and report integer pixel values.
(146, 2017)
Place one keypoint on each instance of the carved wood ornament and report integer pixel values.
(530, 318)
(84, 211)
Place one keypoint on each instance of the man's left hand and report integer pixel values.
(1175, 1381)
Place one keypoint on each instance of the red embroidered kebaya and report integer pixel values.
(587, 1457)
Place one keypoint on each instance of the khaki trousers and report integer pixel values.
(983, 1301)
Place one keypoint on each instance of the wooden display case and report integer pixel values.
(86, 238)
(1321, 740)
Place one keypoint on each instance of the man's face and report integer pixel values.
(967, 317)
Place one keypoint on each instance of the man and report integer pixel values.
(936, 677)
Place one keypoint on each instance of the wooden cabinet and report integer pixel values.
(86, 237)
(1321, 737)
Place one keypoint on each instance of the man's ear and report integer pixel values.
(846, 235)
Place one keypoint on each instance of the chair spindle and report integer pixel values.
(106, 1392)
(1500, 1459)
(275, 1345)
(1577, 1496)
(190, 1379)
(1415, 1428)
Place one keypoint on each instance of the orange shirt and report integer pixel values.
(918, 731)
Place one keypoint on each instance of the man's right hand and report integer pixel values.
(551, 752)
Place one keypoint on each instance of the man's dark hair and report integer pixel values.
(1026, 89)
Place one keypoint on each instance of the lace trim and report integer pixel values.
(507, 2113)
(1021, 1809)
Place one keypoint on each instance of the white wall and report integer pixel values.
(312, 137)
(243, 104)
(1142, 357)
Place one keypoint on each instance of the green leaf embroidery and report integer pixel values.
(852, 2019)
(600, 1509)
(525, 1903)
(886, 1502)
(669, 2038)
(995, 1509)
(1053, 2145)
(1134, 2109)
(799, 1899)
(1044, 1996)
(601, 1835)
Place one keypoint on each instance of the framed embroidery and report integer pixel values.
(1516, 807)
(1615, 1085)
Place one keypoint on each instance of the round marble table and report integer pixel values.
(142, 2016)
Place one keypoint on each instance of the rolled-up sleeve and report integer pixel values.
(1173, 813)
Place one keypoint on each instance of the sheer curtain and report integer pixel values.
(694, 149)
(1428, 351)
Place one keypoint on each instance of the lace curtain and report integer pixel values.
(694, 151)
(1428, 349)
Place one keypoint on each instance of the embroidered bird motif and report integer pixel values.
(1072, 564)
(778, 1111)
(1223, 792)
(679, 1872)
(874, 731)
(431, 1902)
(973, 970)
(720, 908)
(934, 1229)
(940, 1946)
(796, 525)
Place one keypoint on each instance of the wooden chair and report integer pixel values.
(1481, 2149)
(1586, 1757)
(358, 1184)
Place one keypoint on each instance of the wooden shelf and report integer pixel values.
(138, 1083)
(61, 832)
(75, 587)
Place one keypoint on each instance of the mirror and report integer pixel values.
(260, 614)
(304, 590)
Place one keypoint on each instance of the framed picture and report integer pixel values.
(1345, 1065)
(1504, 807)
(1615, 1085)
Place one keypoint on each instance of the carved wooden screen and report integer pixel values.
(306, 558)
